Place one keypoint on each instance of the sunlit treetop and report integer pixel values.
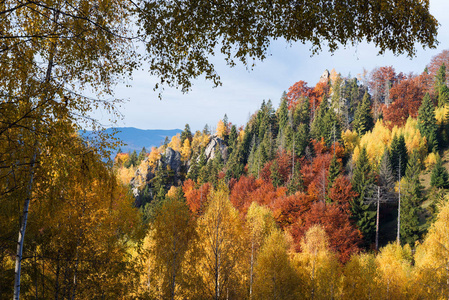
(182, 36)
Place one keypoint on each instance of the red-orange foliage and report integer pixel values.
(287, 210)
(319, 146)
(318, 93)
(379, 78)
(241, 191)
(406, 96)
(342, 193)
(265, 173)
(297, 91)
(315, 176)
(284, 166)
(344, 237)
(437, 61)
(196, 198)
(248, 189)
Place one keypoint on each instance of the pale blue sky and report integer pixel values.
(243, 91)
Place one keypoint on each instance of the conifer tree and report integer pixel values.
(232, 140)
(282, 113)
(266, 147)
(166, 141)
(326, 124)
(353, 96)
(142, 155)
(186, 134)
(363, 213)
(202, 167)
(214, 167)
(317, 127)
(443, 96)
(411, 199)
(254, 158)
(295, 182)
(301, 114)
(206, 129)
(363, 120)
(132, 161)
(331, 127)
(398, 151)
(441, 89)
(234, 166)
(302, 139)
(439, 177)
(193, 170)
(386, 178)
(334, 171)
(427, 123)
(275, 177)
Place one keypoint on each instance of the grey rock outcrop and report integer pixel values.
(172, 159)
(214, 144)
(143, 176)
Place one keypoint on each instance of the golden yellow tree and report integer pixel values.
(275, 275)
(170, 233)
(175, 142)
(221, 129)
(360, 278)
(395, 271)
(432, 258)
(221, 236)
(52, 51)
(82, 224)
(260, 223)
(318, 267)
(186, 151)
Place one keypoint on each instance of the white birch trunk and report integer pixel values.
(19, 255)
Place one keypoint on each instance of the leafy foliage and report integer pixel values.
(186, 35)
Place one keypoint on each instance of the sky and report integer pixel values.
(244, 90)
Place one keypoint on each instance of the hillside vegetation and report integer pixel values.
(310, 186)
(302, 202)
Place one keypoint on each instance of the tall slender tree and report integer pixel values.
(362, 210)
(440, 86)
(427, 123)
(411, 199)
(439, 176)
(363, 119)
(398, 152)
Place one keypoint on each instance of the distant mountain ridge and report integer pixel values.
(136, 139)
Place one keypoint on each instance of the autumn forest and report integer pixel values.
(339, 192)
(303, 201)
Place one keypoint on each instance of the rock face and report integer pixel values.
(216, 143)
(325, 76)
(172, 159)
(143, 176)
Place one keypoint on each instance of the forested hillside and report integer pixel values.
(303, 200)
(283, 207)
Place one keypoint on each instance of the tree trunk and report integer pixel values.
(398, 238)
(18, 266)
(377, 218)
(19, 255)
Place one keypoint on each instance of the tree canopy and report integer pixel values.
(182, 36)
